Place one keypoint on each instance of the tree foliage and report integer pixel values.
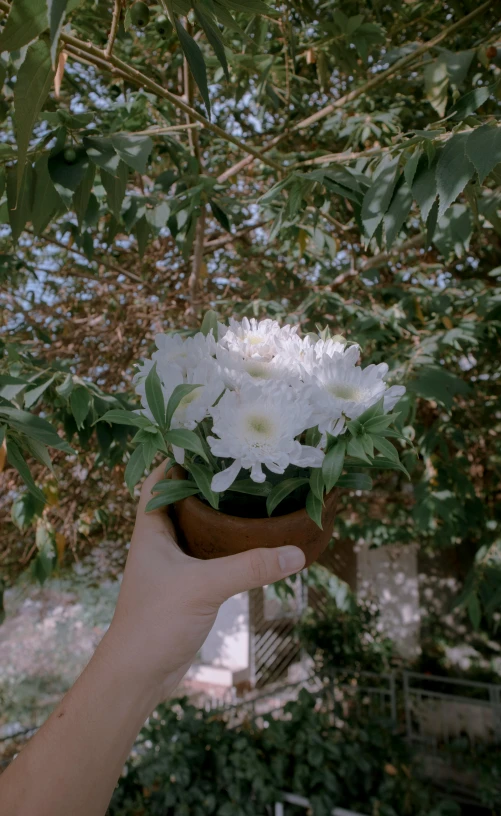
(304, 161)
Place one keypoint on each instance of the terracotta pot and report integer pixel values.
(207, 533)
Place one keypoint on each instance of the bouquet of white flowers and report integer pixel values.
(257, 414)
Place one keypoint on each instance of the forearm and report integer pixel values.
(73, 763)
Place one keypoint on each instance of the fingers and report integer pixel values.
(225, 577)
(154, 477)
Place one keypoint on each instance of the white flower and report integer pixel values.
(328, 349)
(185, 353)
(258, 426)
(235, 370)
(345, 391)
(251, 338)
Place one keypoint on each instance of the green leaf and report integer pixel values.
(483, 148)
(80, 402)
(251, 488)
(118, 417)
(35, 427)
(356, 448)
(317, 483)
(210, 323)
(10, 387)
(30, 397)
(314, 509)
(386, 448)
(437, 383)
(454, 171)
(39, 451)
(187, 440)
(142, 234)
(100, 150)
(25, 509)
(68, 175)
(135, 469)
(355, 481)
(397, 214)
(33, 83)
(279, 492)
(213, 37)
(474, 610)
(16, 459)
(220, 215)
(154, 396)
(196, 62)
(150, 443)
(203, 477)
(133, 150)
(332, 466)
(379, 194)
(172, 490)
(82, 193)
(27, 19)
(468, 104)
(379, 423)
(19, 201)
(115, 187)
(46, 200)
(424, 187)
(436, 82)
(57, 11)
(179, 393)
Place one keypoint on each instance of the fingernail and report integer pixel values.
(291, 559)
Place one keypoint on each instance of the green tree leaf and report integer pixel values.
(424, 187)
(356, 448)
(16, 459)
(19, 201)
(187, 440)
(27, 19)
(119, 417)
(213, 36)
(355, 481)
(436, 82)
(474, 610)
(115, 186)
(100, 150)
(35, 427)
(133, 150)
(314, 509)
(81, 196)
(196, 62)
(24, 509)
(454, 170)
(34, 81)
(31, 396)
(397, 214)
(378, 196)
(386, 448)
(80, 402)
(483, 149)
(46, 199)
(68, 175)
(203, 477)
(317, 483)
(280, 491)
(57, 11)
(470, 102)
(210, 323)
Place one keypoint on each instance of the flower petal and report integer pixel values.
(224, 480)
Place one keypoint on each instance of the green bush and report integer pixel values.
(189, 762)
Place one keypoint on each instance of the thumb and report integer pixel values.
(255, 568)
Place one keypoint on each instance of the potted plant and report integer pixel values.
(262, 426)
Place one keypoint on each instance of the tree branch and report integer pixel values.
(114, 28)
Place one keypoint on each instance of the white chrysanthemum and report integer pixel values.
(344, 391)
(257, 426)
(251, 338)
(328, 349)
(236, 370)
(183, 352)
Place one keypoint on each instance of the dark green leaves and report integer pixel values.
(16, 459)
(34, 427)
(196, 62)
(154, 396)
(203, 478)
(169, 491)
(209, 323)
(483, 149)
(314, 509)
(57, 11)
(188, 440)
(46, 200)
(27, 19)
(280, 492)
(379, 194)
(332, 466)
(67, 175)
(19, 200)
(213, 36)
(133, 150)
(250, 487)
(454, 170)
(117, 417)
(80, 401)
(34, 80)
(135, 469)
(115, 186)
(179, 393)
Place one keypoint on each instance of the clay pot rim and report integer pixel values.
(243, 519)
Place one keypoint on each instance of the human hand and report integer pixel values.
(168, 601)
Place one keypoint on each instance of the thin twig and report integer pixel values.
(114, 28)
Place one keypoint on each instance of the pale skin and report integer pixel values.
(167, 605)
